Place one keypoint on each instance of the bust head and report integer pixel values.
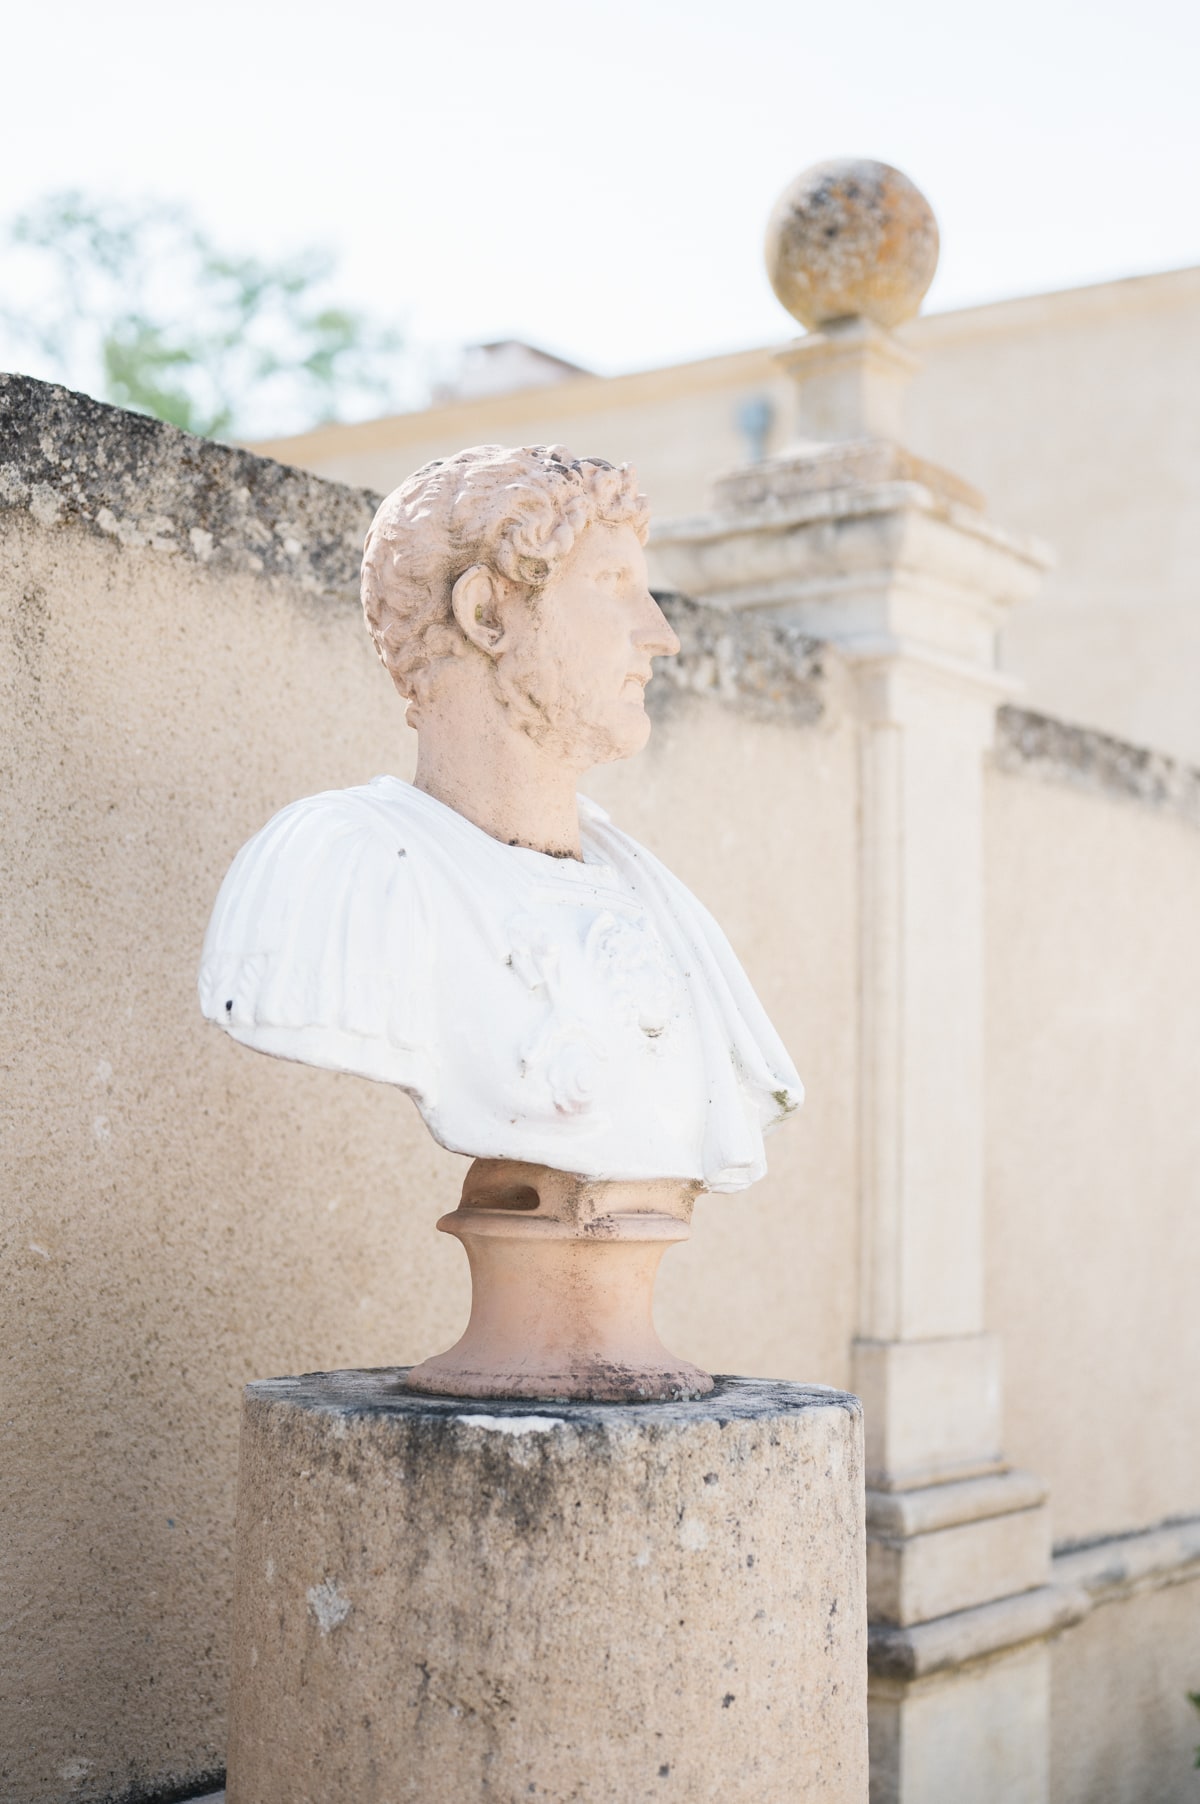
(513, 580)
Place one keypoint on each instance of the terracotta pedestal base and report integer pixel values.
(562, 1287)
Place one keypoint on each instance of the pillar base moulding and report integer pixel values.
(977, 1736)
(959, 1707)
(951, 1547)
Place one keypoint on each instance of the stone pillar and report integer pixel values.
(893, 561)
(439, 1602)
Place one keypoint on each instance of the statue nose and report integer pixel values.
(658, 636)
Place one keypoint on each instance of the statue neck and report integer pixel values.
(499, 779)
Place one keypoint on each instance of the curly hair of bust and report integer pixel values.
(518, 511)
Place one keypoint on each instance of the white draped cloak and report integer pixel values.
(588, 1014)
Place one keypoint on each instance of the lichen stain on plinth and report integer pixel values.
(440, 1602)
(562, 1289)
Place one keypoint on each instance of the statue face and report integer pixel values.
(577, 658)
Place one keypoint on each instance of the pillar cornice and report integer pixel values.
(890, 566)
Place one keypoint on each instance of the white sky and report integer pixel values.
(595, 175)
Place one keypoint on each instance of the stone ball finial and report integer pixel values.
(851, 238)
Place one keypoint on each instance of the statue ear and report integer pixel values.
(475, 599)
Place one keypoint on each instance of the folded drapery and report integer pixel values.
(584, 1014)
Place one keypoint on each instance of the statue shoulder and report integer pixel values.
(316, 949)
(292, 888)
(373, 819)
(373, 808)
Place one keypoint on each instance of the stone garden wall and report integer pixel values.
(183, 654)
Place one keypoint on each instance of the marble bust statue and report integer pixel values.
(559, 1007)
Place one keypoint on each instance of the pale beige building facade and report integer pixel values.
(1076, 415)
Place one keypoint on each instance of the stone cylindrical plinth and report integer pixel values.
(600, 1603)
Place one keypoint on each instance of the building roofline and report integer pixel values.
(1092, 300)
(473, 419)
(472, 415)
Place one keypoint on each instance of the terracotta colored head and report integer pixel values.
(522, 572)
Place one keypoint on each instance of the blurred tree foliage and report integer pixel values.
(138, 304)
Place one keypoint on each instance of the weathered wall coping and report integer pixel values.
(758, 662)
(1100, 1572)
(68, 460)
(72, 461)
(1053, 750)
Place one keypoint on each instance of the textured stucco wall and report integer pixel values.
(1093, 1140)
(183, 1215)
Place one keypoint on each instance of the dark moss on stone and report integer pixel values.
(381, 1393)
(184, 1791)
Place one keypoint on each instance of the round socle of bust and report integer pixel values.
(851, 238)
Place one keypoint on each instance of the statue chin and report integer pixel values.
(579, 734)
